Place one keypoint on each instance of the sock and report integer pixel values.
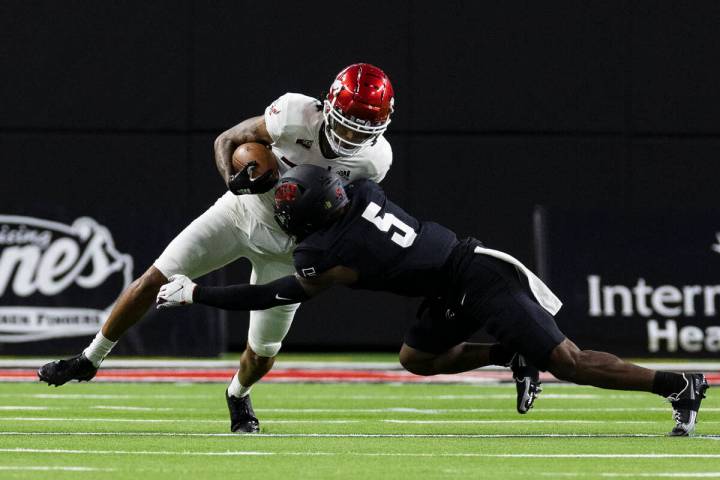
(235, 389)
(668, 383)
(98, 349)
(500, 355)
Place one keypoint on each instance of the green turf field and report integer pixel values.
(178, 431)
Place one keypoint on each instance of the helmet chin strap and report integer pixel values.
(335, 145)
(326, 147)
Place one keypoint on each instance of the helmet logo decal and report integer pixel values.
(308, 199)
(358, 79)
(285, 193)
(336, 87)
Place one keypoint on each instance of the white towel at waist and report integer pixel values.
(545, 297)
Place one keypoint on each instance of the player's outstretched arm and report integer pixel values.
(180, 290)
(250, 130)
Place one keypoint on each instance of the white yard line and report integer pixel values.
(634, 474)
(434, 411)
(42, 468)
(529, 421)
(700, 366)
(308, 421)
(95, 396)
(224, 364)
(439, 411)
(132, 452)
(21, 407)
(603, 455)
(139, 409)
(473, 396)
(356, 435)
(664, 475)
(526, 422)
(360, 454)
(334, 397)
(420, 411)
(159, 420)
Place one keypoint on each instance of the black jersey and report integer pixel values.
(391, 250)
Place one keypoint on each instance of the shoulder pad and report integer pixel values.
(290, 116)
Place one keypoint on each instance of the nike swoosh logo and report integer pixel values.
(277, 296)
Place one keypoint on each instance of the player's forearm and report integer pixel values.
(283, 291)
(224, 148)
(250, 130)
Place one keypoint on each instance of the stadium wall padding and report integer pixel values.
(110, 110)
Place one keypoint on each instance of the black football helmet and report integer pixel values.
(307, 198)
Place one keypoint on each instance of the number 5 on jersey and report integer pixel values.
(383, 223)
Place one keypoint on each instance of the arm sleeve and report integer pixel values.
(283, 291)
(310, 262)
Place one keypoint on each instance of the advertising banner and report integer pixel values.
(59, 282)
(635, 284)
(47, 267)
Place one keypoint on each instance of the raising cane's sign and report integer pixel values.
(57, 280)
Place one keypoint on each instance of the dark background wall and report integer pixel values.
(110, 109)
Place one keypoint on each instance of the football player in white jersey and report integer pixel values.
(343, 133)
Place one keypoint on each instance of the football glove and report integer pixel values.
(177, 292)
(242, 182)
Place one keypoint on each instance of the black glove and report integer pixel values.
(242, 184)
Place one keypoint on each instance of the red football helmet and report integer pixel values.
(357, 109)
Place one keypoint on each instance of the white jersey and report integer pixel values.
(243, 225)
(294, 122)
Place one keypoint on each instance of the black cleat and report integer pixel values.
(242, 416)
(527, 383)
(686, 404)
(60, 372)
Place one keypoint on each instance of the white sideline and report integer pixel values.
(40, 468)
(703, 366)
(102, 396)
(421, 411)
(525, 422)
(158, 420)
(470, 396)
(357, 435)
(22, 407)
(220, 364)
(360, 454)
(528, 421)
(635, 474)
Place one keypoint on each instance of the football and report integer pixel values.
(248, 152)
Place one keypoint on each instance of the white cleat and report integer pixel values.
(686, 403)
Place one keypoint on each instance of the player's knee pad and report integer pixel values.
(264, 348)
(268, 329)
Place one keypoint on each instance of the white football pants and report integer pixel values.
(228, 231)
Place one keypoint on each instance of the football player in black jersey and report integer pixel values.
(355, 236)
